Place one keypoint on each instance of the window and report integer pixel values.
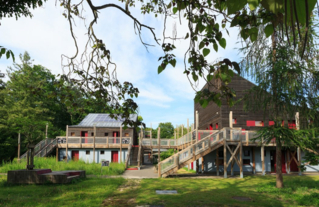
(259, 123)
(246, 161)
(216, 125)
(92, 134)
(102, 152)
(246, 153)
(106, 134)
(234, 121)
(211, 127)
(87, 152)
(72, 134)
(220, 153)
(127, 134)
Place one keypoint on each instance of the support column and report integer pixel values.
(288, 161)
(94, 132)
(217, 162)
(232, 164)
(299, 160)
(241, 159)
(203, 165)
(57, 153)
(67, 142)
(188, 130)
(262, 158)
(19, 147)
(159, 152)
(197, 166)
(231, 119)
(225, 158)
(121, 134)
(254, 160)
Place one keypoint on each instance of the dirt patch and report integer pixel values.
(241, 198)
(121, 197)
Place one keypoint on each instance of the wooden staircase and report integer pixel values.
(197, 150)
(134, 155)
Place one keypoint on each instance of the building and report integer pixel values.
(97, 137)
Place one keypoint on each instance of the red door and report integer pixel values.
(75, 155)
(293, 164)
(192, 165)
(115, 156)
(85, 134)
(283, 162)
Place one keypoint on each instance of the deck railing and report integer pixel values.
(38, 147)
(90, 140)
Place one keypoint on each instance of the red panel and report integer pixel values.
(283, 123)
(85, 134)
(198, 136)
(216, 125)
(283, 162)
(192, 165)
(210, 127)
(250, 123)
(115, 156)
(75, 155)
(271, 123)
(293, 164)
(292, 124)
(115, 134)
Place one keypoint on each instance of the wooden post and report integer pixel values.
(139, 150)
(46, 131)
(231, 119)
(196, 126)
(188, 130)
(247, 137)
(299, 160)
(159, 144)
(254, 162)
(241, 159)
(19, 141)
(217, 162)
(67, 142)
(94, 132)
(232, 164)
(121, 134)
(288, 161)
(182, 134)
(151, 137)
(107, 142)
(203, 165)
(57, 153)
(263, 157)
(297, 121)
(225, 158)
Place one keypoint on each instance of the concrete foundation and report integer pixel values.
(43, 176)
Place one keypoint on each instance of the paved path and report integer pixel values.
(146, 171)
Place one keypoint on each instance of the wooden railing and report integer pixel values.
(90, 140)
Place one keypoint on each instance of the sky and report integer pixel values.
(165, 97)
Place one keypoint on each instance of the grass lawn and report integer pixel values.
(298, 191)
(50, 163)
(87, 192)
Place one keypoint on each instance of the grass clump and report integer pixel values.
(50, 163)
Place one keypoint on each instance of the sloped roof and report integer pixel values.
(102, 120)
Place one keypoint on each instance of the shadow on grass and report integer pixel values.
(86, 192)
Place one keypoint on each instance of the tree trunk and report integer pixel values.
(279, 178)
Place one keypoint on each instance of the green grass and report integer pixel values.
(86, 192)
(298, 191)
(50, 163)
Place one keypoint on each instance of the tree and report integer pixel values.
(286, 77)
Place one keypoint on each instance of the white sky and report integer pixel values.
(167, 97)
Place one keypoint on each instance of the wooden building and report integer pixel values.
(97, 137)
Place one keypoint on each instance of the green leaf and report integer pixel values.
(269, 30)
(175, 10)
(12, 55)
(209, 77)
(206, 52)
(201, 45)
(195, 77)
(215, 47)
(173, 62)
(253, 4)
(222, 42)
(8, 54)
(235, 5)
(160, 69)
(253, 34)
(204, 103)
(3, 51)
